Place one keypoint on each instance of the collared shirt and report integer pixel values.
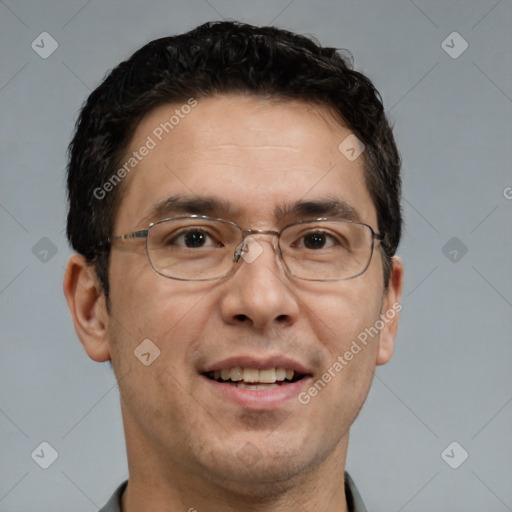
(354, 501)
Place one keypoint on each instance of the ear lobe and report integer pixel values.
(391, 306)
(86, 303)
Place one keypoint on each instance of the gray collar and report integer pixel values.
(354, 500)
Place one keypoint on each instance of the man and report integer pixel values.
(234, 205)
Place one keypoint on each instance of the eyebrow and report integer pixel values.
(334, 208)
(191, 205)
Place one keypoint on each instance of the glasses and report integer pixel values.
(200, 248)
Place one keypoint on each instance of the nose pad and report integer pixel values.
(249, 250)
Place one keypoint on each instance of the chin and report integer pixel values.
(263, 481)
(257, 471)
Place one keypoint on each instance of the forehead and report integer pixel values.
(253, 158)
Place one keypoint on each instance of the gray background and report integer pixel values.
(450, 377)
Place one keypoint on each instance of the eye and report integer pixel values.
(316, 240)
(193, 238)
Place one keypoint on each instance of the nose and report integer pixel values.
(259, 293)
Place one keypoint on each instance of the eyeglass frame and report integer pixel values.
(144, 233)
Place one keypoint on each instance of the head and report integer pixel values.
(241, 123)
(220, 58)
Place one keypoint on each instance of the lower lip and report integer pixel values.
(258, 399)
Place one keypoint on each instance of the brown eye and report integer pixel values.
(315, 241)
(192, 239)
(195, 239)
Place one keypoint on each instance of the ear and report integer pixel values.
(86, 303)
(391, 306)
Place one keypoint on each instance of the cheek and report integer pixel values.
(339, 316)
(145, 305)
(156, 316)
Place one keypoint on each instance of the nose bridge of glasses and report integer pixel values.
(250, 244)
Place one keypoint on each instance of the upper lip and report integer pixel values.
(260, 363)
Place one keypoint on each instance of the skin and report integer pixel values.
(182, 437)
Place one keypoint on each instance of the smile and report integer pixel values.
(252, 378)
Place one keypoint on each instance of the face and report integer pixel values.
(254, 158)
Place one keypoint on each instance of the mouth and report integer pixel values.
(255, 379)
(257, 382)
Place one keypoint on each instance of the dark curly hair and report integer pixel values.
(216, 58)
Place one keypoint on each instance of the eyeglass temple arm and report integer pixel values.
(130, 236)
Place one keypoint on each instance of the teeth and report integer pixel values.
(268, 376)
(252, 375)
(280, 374)
(237, 374)
(255, 386)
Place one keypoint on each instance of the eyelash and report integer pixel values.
(202, 231)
